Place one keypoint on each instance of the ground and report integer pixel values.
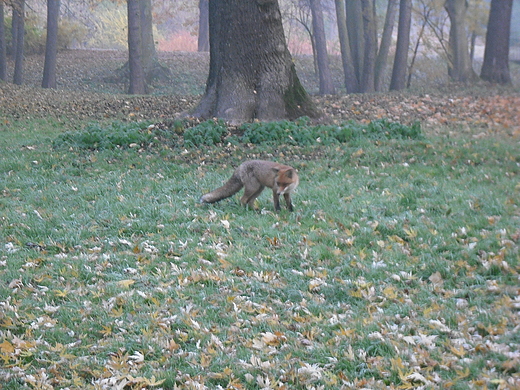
(85, 92)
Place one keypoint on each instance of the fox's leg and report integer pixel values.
(276, 199)
(287, 197)
(251, 192)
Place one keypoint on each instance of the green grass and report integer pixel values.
(402, 258)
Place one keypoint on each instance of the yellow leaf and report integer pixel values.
(390, 292)
(117, 312)
(6, 347)
(410, 233)
(463, 374)
(358, 153)
(61, 293)
(107, 330)
(125, 283)
(458, 351)
(396, 238)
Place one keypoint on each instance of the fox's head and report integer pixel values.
(286, 180)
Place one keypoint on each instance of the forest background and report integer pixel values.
(103, 26)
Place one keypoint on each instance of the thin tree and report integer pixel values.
(3, 53)
(496, 54)
(153, 70)
(351, 81)
(320, 41)
(384, 47)
(51, 44)
(370, 47)
(203, 36)
(18, 32)
(251, 75)
(398, 80)
(137, 82)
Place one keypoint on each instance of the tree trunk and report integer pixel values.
(326, 85)
(459, 67)
(355, 35)
(398, 81)
(3, 53)
(203, 38)
(51, 44)
(18, 39)
(351, 82)
(384, 47)
(496, 54)
(137, 79)
(251, 73)
(370, 39)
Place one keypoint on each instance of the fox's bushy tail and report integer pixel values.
(231, 187)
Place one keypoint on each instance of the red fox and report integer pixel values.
(254, 176)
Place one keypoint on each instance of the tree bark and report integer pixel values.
(398, 81)
(51, 44)
(152, 68)
(203, 37)
(496, 54)
(326, 84)
(351, 82)
(137, 82)
(370, 48)
(251, 73)
(18, 33)
(356, 36)
(459, 67)
(3, 53)
(384, 47)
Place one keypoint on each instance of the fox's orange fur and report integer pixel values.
(254, 176)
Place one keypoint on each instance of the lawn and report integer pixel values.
(398, 269)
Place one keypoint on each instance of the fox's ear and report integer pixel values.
(276, 170)
(289, 173)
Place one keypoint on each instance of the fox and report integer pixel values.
(254, 176)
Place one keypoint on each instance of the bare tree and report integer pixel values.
(251, 73)
(370, 47)
(3, 54)
(459, 67)
(356, 36)
(51, 44)
(203, 37)
(384, 47)
(351, 81)
(137, 80)
(18, 32)
(496, 54)
(398, 81)
(320, 41)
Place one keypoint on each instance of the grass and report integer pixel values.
(398, 269)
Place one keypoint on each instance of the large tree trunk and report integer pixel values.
(326, 85)
(251, 73)
(137, 79)
(459, 67)
(384, 47)
(398, 81)
(18, 32)
(51, 44)
(203, 38)
(3, 54)
(351, 81)
(496, 54)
